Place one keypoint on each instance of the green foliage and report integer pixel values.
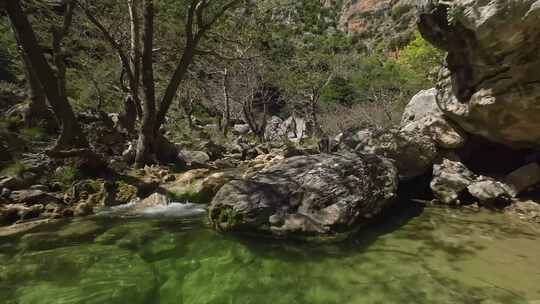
(421, 57)
(8, 53)
(399, 10)
(14, 169)
(339, 90)
(66, 175)
(34, 133)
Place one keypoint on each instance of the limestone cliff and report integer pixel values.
(491, 86)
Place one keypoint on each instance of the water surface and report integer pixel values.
(434, 256)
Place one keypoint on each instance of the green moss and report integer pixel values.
(124, 193)
(34, 133)
(225, 218)
(192, 193)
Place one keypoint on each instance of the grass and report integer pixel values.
(34, 133)
(14, 169)
(66, 175)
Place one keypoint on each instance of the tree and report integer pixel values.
(52, 80)
(201, 17)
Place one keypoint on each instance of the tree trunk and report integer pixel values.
(71, 133)
(38, 112)
(313, 113)
(135, 52)
(227, 105)
(148, 132)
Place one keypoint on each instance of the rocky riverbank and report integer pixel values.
(472, 140)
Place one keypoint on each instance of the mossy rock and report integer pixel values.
(124, 193)
(100, 193)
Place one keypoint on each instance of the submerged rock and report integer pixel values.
(491, 86)
(91, 274)
(525, 210)
(318, 195)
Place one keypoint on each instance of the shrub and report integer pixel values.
(34, 133)
(66, 175)
(14, 169)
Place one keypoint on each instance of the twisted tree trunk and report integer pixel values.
(71, 133)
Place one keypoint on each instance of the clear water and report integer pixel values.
(433, 256)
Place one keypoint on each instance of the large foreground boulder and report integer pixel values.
(320, 195)
(491, 87)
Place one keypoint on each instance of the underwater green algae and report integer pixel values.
(436, 256)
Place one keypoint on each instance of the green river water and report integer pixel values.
(433, 255)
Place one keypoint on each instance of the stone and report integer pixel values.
(321, 196)
(195, 157)
(450, 180)
(16, 212)
(30, 197)
(212, 183)
(491, 85)
(169, 178)
(5, 192)
(83, 209)
(490, 192)
(414, 153)
(523, 178)
(98, 274)
(526, 210)
(242, 129)
(295, 128)
(100, 193)
(43, 188)
(12, 183)
(273, 131)
(213, 150)
(422, 115)
(423, 104)
(156, 199)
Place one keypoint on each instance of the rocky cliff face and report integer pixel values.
(391, 20)
(491, 86)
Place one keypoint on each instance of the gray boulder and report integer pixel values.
(30, 197)
(523, 178)
(320, 195)
(491, 87)
(452, 180)
(242, 129)
(195, 157)
(414, 153)
(490, 192)
(274, 130)
(422, 115)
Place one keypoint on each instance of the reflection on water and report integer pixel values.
(434, 256)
